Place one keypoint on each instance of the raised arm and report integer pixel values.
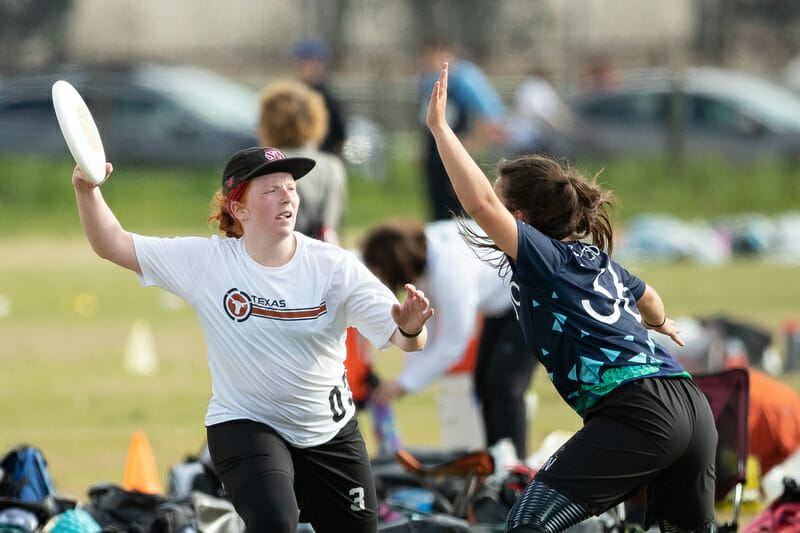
(104, 232)
(410, 317)
(474, 191)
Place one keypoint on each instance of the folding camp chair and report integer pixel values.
(470, 467)
(728, 393)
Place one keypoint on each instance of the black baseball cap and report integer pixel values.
(259, 160)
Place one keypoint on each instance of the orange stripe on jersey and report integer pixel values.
(291, 314)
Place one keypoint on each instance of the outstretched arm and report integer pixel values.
(474, 191)
(104, 232)
(410, 317)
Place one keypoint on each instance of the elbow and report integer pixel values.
(102, 251)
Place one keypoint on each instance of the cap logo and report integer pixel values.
(273, 154)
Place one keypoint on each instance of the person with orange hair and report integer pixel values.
(274, 305)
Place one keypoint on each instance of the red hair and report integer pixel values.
(220, 210)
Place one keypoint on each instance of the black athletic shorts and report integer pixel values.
(652, 433)
(333, 483)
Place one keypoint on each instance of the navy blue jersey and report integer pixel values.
(578, 312)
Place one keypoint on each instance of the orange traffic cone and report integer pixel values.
(140, 469)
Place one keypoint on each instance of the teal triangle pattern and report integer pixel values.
(573, 374)
(629, 338)
(560, 319)
(641, 358)
(611, 354)
(550, 375)
(584, 334)
(545, 352)
(590, 370)
(555, 296)
(534, 302)
(652, 345)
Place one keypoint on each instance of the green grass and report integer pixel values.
(700, 189)
(36, 194)
(62, 346)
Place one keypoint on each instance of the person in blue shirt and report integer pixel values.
(475, 113)
(645, 423)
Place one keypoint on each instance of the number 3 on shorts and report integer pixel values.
(358, 499)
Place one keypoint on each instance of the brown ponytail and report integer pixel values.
(557, 200)
(554, 199)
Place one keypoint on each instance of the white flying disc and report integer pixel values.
(80, 131)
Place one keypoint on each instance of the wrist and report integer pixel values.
(655, 326)
(409, 335)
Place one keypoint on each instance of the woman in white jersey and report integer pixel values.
(645, 423)
(274, 306)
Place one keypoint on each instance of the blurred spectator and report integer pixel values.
(474, 110)
(598, 75)
(540, 119)
(294, 118)
(311, 57)
(461, 288)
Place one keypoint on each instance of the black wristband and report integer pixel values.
(653, 325)
(409, 335)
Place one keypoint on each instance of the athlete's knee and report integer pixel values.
(541, 509)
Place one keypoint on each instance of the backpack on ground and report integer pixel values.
(25, 476)
(25, 482)
(131, 511)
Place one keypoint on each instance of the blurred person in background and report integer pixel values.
(540, 121)
(294, 118)
(598, 74)
(274, 305)
(311, 58)
(462, 288)
(476, 114)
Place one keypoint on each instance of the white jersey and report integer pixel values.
(275, 336)
(459, 286)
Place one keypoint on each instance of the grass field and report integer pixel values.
(63, 341)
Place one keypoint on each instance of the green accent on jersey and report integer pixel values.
(612, 378)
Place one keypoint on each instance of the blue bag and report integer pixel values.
(25, 476)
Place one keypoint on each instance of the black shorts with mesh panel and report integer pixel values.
(652, 433)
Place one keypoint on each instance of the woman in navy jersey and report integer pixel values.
(645, 424)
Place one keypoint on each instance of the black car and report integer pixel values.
(701, 111)
(146, 113)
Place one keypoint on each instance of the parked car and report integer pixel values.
(146, 113)
(704, 111)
